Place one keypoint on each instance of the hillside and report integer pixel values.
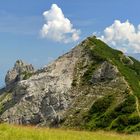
(91, 87)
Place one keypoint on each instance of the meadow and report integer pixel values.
(11, 132)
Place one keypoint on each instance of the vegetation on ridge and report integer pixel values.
(114, 111)
(103, 52)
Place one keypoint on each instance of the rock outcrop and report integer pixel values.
(105, 72)
(19, 72)
(89, 87)
(45, 96)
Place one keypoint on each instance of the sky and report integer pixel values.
(38, 31)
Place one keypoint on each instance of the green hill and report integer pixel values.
(116, 110)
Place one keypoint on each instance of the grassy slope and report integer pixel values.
(125, 117)
(8, 132)
(131, 73)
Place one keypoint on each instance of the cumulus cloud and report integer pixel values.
(123, 36)
(57, 27)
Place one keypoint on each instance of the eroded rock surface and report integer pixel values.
(105, 72)
(46, 94)
(19, 72)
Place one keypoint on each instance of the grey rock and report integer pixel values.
(45, 96)
(18, 72)
(105, 72)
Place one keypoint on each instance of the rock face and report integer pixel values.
(45, 96)
(105, 72)
(18, 72)
(85, 88)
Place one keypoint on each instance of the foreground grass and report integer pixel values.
(10, 132)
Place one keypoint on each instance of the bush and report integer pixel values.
(101, 105)
(134, 120)
(128, 106)
(26, 75)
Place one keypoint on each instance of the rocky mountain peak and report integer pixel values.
(19, 72)
(20, 63)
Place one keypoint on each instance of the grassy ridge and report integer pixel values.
(9, 132)
(130, 72)
(123, 117)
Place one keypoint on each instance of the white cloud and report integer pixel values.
(57, 27)
(123, 36)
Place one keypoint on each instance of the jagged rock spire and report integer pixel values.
(17, 73)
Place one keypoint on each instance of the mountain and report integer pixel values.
(91, 87)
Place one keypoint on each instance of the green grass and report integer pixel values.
(102, 52)
(109, 113)
(10, 132)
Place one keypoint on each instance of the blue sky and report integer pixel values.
(21, 22)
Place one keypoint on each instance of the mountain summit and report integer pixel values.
(91, 87)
